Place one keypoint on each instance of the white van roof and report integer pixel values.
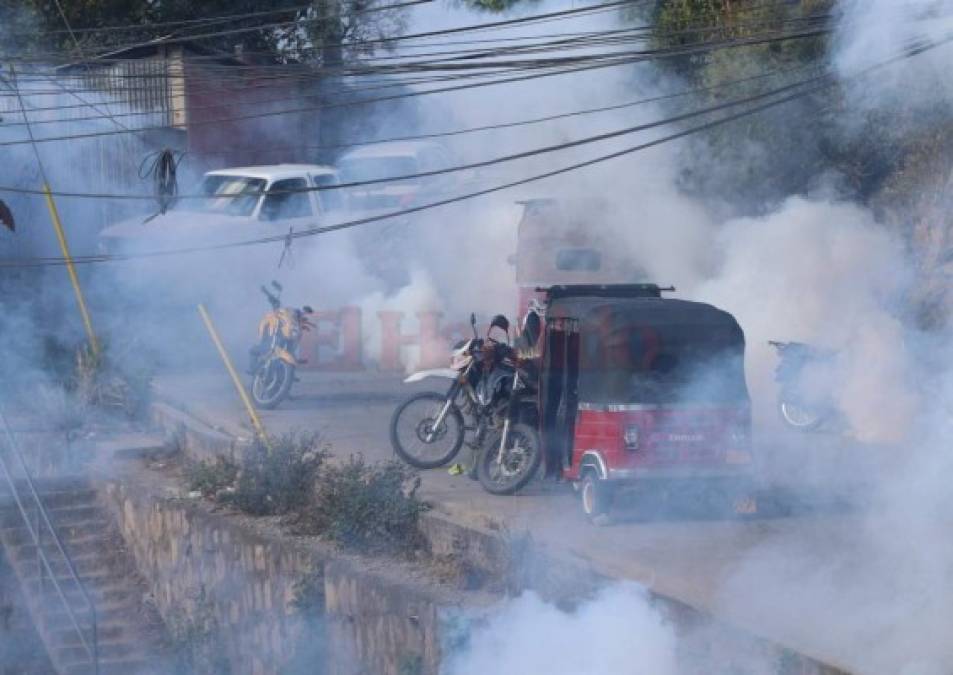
(276, 171)
(391, 149)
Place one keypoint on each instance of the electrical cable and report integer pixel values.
(181, 22)
(516, 123)
(405, 63)
(915, 49)
(614, 59)
(644, 28)
(500, 159)
(269, 101)
(162, 170)
(567, 13)
(139, 113)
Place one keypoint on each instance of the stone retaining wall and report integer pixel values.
(218, 574)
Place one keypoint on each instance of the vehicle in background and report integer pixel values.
(569, 241)
(274, 359)
(385, 161)
(637, 390)
(239, 203)
(427, 429)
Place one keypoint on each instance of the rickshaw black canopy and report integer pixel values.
(653, 350)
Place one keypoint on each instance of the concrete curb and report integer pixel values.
(196, 439)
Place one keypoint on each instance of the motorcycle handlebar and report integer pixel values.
(272, 299)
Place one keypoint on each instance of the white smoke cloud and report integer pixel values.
(617, 633)
(871, 31)
(822, 273)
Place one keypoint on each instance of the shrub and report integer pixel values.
(105, 379)
(278, 477)
(211, 478)
(367, 507)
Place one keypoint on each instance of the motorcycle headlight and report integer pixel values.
(631, 436)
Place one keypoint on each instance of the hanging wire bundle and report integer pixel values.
(162, 171)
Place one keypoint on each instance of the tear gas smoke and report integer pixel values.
(616, 633)
(872, 30)
(822, 273)
(871, 589)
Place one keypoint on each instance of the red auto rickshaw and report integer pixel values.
(639, 390)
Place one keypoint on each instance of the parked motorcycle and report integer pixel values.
(512, 453)
(428, 429)
(275, 357)
(799, 407)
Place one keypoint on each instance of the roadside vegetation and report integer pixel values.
(82, 381)
(369, 507)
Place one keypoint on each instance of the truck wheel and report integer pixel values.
(595, 495)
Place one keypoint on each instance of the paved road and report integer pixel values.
(796, 579)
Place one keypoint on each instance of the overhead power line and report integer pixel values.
(270, 101)
(915, 49)
(42, 262)
(534, 18)
(388, 63)
(496, 160)
(182, 22)
(613, 59)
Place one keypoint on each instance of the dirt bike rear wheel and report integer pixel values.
(519, 465)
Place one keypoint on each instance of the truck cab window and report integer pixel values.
(329, 200)
(279, 204)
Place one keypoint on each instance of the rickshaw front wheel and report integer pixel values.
(595, 495)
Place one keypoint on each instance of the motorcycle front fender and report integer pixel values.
(286, 356)
(445, 373)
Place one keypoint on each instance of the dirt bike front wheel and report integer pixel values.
(416, 436)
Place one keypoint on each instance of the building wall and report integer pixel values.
(266, 134)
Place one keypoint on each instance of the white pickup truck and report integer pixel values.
(240, 204)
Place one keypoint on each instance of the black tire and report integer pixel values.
(595, 495)
(530, 458)
(452, 432)
(271, 383)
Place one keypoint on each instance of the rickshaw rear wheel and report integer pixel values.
(596, 496)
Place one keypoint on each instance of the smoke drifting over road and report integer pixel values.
(871, 588)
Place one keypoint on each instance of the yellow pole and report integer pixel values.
(74, 279)
(249, 407)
